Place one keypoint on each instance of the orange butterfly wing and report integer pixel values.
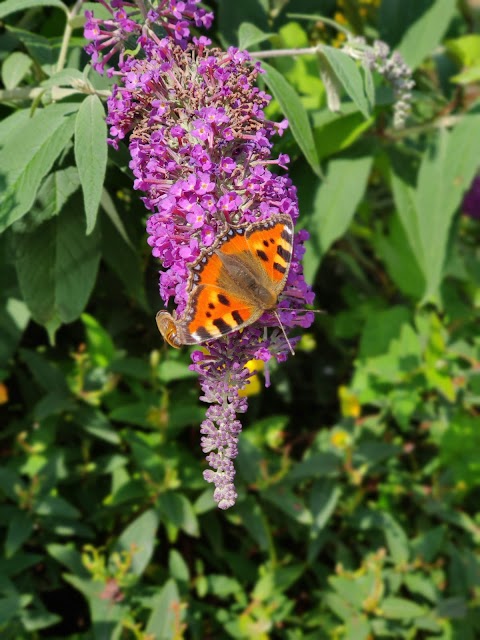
(214, 310)
(273, 247)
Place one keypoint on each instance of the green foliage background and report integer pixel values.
(358, 473)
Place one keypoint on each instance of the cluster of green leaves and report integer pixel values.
(358, 473)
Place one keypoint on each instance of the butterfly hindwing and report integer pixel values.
(213, 312)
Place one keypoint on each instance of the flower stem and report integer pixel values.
(276, 53)
(67, 34)
(329, 21)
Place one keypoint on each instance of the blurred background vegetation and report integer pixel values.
(358, 473)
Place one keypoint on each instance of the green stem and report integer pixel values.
(276, 53)
(32, 93)
(441, 123)
(67, 34)
(329, 21)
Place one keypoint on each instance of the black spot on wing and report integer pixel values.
(284, 253)
(286, 235)
(211, 305)
(262, 255)
(279, 267)
(203, 334)
(237, 317)
(221, 325)
(223, 300)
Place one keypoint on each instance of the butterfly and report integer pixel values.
(233, 282)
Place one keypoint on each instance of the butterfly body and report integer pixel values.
(233, 283)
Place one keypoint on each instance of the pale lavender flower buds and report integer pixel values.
(392, 67)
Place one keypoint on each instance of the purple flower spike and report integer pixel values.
(201, 149)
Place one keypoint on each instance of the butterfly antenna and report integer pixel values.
(283, 331)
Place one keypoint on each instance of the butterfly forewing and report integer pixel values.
(271, 244)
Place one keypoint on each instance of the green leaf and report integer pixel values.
(105, 614)
(169, 370)
(290, 504)
(10, 482)
(121, 257)
(166, 610)
(336, 200)
(349, 76)
(394, 249)
(254, 520)
(177, 566)
(292, 107)
(19, 529)
(400, 609)
(10, 607)
(421, 585)
(35, 619)
(231, 15)
(54, 506)
(97, 424)
(331, 83)
(454, 157)
(249, 34)
(465, 49)
(139, 540)
(14, 318)
(65, 78)
(91, 154)
(425, 34)
(101, 348)
(68, 556)
(110, 209)
(29, 147)
(427, 212)
(43, 371)
(324, 498)
(334, 133)
(397, 540)
(57, 268)
(358, 628)
(52, 196)
(15, 68)
(467, 77)
(380, 329)
(11, 6)
(179, 511)
(41, 49)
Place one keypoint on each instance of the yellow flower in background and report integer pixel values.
(349, 404)
(254, 387)
(340, 439)
(3, 393)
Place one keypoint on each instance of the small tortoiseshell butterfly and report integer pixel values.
(233, 282)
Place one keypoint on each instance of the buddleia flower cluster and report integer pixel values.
(134, 23)
(201, 150)
(391, 66)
